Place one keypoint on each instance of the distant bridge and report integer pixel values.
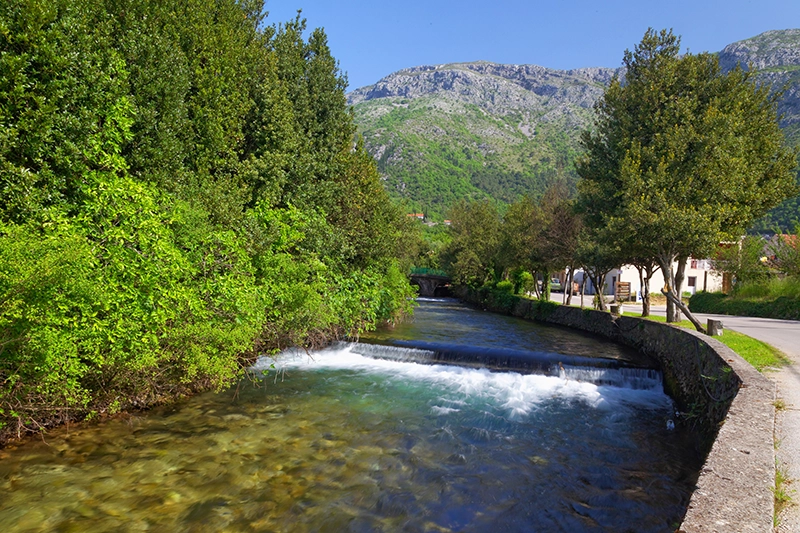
(431, 282)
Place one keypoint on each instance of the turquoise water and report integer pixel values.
(335, 441)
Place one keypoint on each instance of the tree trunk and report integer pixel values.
(665, 262)
(682, 307)
(570, 281)
(583, 287)
(597, 282)
(680, 274)
(673, 297)
(645, 274)
(546, 286)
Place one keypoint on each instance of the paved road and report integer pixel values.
(784, 335)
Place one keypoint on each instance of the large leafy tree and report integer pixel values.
(471, 257)
(539, 236)
(683, 156)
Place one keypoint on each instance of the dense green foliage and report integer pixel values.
(682, 158)
(743, 260)
(533, 239)
(180, 190)
(782, 218)
(776, 299)
(765, 276)
(472, 255)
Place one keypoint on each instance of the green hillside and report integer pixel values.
(483, 130)
(475, 130)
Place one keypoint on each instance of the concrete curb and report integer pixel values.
(721, 391)
(734, 490)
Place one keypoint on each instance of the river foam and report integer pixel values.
(513, 394)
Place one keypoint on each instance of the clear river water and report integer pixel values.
(336, 441)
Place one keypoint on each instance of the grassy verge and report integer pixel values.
(759, 354)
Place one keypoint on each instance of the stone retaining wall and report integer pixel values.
(713, 386)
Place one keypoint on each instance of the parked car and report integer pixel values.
(555, 285)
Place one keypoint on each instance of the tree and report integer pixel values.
(784, 253)
(471, 256)
(520, 234)
(597, 256)
(743, 260)
(181, 189)
(647, 266)
(683, 156)
(559, 240)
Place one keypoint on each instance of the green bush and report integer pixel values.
(111, 313)
(772, 288)
(505, 287)
(766, 305)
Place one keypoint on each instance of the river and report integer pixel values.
(338, 441)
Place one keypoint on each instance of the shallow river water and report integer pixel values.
(335, 441)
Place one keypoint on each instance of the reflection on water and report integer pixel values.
(339, 442)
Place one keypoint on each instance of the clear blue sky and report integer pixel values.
(372, 39)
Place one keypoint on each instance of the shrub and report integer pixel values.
(505, 287)
(766, 305)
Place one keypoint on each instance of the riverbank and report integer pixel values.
(735, 489)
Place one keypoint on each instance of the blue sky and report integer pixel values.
(372, 39)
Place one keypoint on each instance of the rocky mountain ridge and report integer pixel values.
(496, 86)
(481, 129)
(775, 58)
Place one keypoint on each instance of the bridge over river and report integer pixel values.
(431, 282)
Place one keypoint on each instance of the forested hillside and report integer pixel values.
(179, 191)
(481, 130)
(476, 130)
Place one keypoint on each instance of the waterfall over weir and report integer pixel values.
(598, 371)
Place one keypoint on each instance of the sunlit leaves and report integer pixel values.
(180, 190)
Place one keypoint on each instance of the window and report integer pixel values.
(693, 281)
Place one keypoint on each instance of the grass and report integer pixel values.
(782, 493)
(769, 289)
(759, 354)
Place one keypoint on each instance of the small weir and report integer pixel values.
(592, 370)
(361, 437)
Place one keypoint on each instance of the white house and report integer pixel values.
(698, 277)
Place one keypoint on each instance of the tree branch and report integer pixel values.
(685, 310)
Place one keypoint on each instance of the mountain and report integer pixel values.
(484, 130)
(775, 58)
(472, 130)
